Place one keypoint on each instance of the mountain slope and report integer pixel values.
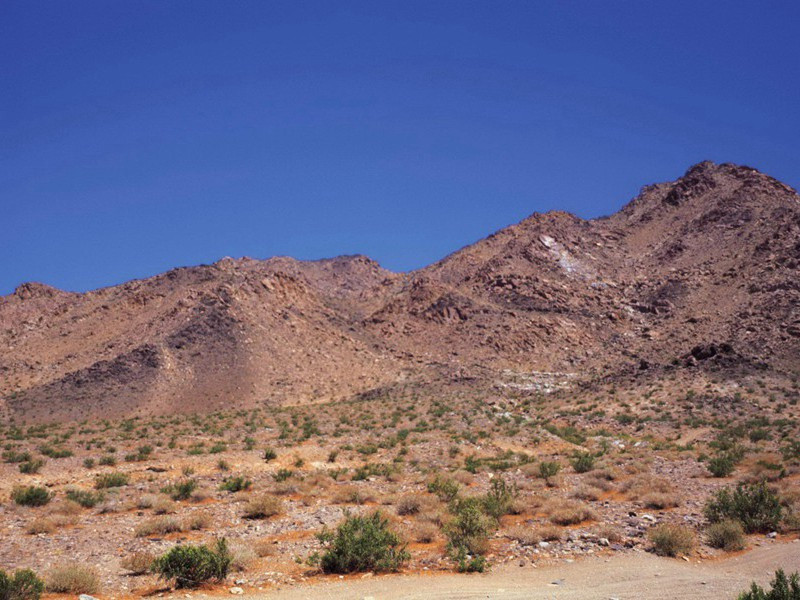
(698, 272)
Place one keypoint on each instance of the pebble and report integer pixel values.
(236, 590)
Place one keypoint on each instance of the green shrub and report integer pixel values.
(22, 585)
(31, 495)
(726, 535)
(755, 506)
(671, 540)
(29, 467)
(110, 480)
(107, 461)
(499, 498)
(548, 469)
(283, 475)
(191, 565)
(270, 454)
(235, 484)
(783, 588)
(182, 490)
(582, 462)
(468, 532)
(362, 544)
(85, 498)
(721, 465)
(446, 489)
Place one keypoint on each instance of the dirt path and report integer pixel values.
(626, 577)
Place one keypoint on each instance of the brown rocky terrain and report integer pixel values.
(700, 273)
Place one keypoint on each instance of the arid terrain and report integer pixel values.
(560, 390)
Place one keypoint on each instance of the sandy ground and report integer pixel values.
(625, 577)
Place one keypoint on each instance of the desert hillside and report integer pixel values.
(699, 273)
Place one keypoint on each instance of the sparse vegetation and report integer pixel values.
(189, 566)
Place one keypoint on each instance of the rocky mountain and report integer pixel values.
(699, 273)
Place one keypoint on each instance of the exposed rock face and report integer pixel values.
(699, 273)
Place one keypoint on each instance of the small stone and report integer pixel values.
(544, 544)
(236, 590)
(772, 535)
(86, 597)
(603, 542)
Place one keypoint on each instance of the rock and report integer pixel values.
(648, 517)
(236, 590)
(544, 544)
(86, 597)
(772, 535)
(603, 542)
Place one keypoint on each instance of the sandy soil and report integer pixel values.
(625, 577)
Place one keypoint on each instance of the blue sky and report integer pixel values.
(140, 136)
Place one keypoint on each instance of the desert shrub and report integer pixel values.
(31, 495)
(138, 563)
(782, 588)
(410, 504)
(89, 463)
(29, 467)
(660, 501)
(282, 475)
(41, 525)
(107, 461)
(671, 540)
(235, 484)
(22, 585)
(72, 579)
(727, 535)
(499, 499)
(85, 498)
(12, 456)
(162, 505)
(181, 490)
(197, 521)
(569, 512)
(582, 462)
(158, 525)
(362, 544)
(270, 454)
(548, 469)
(263, 506)
(721, 465)
(110, 480)
(424, 533)
(242, 557)
(468, 531)
(190, 566)
(755, 506)
(445, 489)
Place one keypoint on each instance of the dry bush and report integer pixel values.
(41, 525)
(263, 547)
(138, 563)
(585, 492)
(642, 485)
(72, 579)
(286, 488)
(409, 504)
(424, 533)
(67, 508)
(727, 535)
(605, 474)
(242, 556)
(196, 521)
(524, 534)
(464, 477)
(611, 533)
(146, 501)
(263, 506)
(158, 525)
(660, 501)
(163, 505)
(601, 483)
(352, 494)
(671, 540)
(569, 512)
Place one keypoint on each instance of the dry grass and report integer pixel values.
(263, 506)
(72, 579)
(138, 563)
(158, 526)
(197, 521)
(671, 540)
(569, 512)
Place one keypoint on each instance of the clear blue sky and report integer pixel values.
(138, 136)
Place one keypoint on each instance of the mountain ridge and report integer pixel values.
(707, 261)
